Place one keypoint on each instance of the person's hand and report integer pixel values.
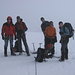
(2, 37)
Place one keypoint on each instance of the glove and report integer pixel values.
(60, 33)
(3, 37)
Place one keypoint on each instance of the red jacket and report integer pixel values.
(8, 30)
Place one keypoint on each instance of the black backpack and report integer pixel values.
(71, 30)
(40, 55)
(16, 47)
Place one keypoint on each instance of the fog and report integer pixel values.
(32, 10)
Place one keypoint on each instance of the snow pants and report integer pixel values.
(6, 44)
(64, 49)
(20, 39)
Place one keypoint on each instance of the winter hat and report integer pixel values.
(42, 18)
(18, 17)
(51, 23)
(60, 22)
(9, 17)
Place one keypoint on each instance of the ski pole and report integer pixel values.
(33, 46)
(35, 61)
(35, 68)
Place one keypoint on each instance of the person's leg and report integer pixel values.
(62, 51)
(66, 54)
(53, 51)
(46, 42)
(49, 50)
(20, 45)
(66, 50)
(5, 47)
(25, 44)
(11, 46)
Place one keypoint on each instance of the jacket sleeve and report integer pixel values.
(25, 27)
(54, 31)
(66, 31)
(3, 30)
(14, 30)
(16, 27)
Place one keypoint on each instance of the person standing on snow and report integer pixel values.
(49, 34)
(21, 28)
(53, 40)
(43, 27)
(64, 32)
(8, 32)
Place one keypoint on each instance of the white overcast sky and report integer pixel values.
(32, 10)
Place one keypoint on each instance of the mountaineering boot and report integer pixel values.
(12, 53)
(66, 56)
(28, 54)
(61, 60)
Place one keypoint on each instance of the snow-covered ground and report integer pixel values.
(23, 65)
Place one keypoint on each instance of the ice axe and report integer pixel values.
(40, 45)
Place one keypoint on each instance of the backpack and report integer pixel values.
(16, 47)
(71, 30)
(50, 31)
(40, 55)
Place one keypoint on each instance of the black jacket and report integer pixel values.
(44, 25)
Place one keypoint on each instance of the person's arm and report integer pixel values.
(66, 31)
(25, 27)
(14, 31)
(16, 27)
(2, 32)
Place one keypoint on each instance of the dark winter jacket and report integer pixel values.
(8, 30)
(21, 27)
(44, 25)
(64, 32)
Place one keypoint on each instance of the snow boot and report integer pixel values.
(61, 60)
(12, 53)
(28, 54)
(66, 54)
(66, 57)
